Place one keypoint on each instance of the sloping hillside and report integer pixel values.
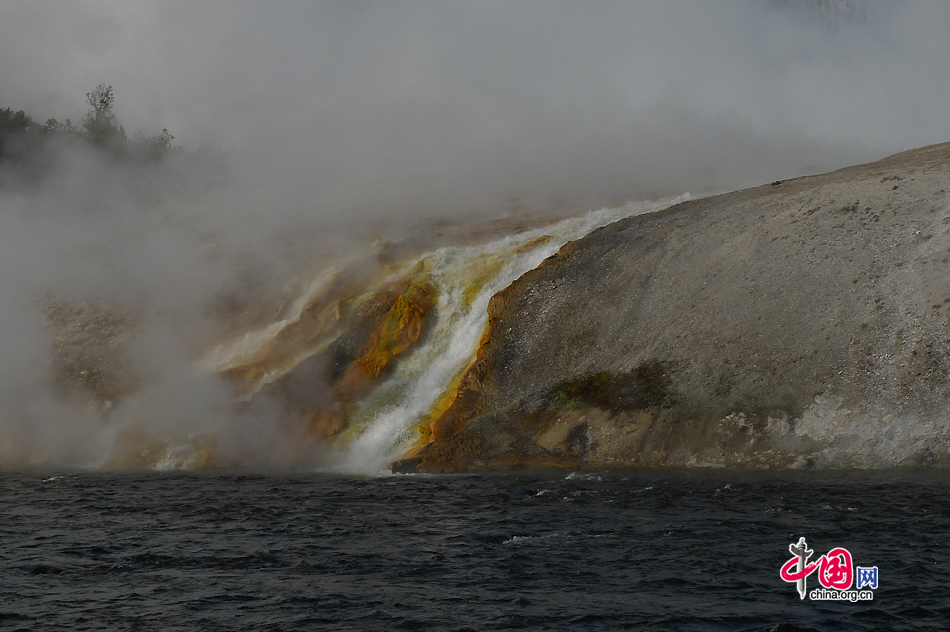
(802, 323)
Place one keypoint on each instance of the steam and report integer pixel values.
(343, 122)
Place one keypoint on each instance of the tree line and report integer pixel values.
(24, 140)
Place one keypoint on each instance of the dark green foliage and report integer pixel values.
(27, 144)
(100, 125)
(155, 147)
(53, 126)
(13, 123)
(14, 128)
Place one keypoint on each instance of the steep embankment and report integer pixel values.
(371, 351)
(803, 323)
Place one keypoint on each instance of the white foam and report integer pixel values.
(180, 457)
(578, 476)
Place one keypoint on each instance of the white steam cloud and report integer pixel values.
(341, 120)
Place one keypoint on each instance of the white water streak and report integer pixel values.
(384, 427)
(237, 352)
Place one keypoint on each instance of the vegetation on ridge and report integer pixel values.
(25, 142)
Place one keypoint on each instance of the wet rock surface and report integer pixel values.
(804, 323)
(383, 327)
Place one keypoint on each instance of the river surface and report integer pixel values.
(641, 550)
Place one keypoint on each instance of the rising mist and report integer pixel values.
(307, 130)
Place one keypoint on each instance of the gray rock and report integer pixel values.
(802, 323)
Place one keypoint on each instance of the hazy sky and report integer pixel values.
(448, 105)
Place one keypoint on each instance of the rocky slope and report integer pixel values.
(803, 323)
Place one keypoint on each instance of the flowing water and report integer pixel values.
(243, 349)
(384, 428)
(639, 550)
(385, 423)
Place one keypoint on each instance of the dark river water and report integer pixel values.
(639, 550)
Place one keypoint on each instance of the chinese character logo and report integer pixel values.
(867, 577)
(835, 570)
(801, 570)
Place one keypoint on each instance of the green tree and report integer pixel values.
(100, 125)
(53, 126)
(13, 127)
(31, 145)
(154, 147)
(14, 122)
